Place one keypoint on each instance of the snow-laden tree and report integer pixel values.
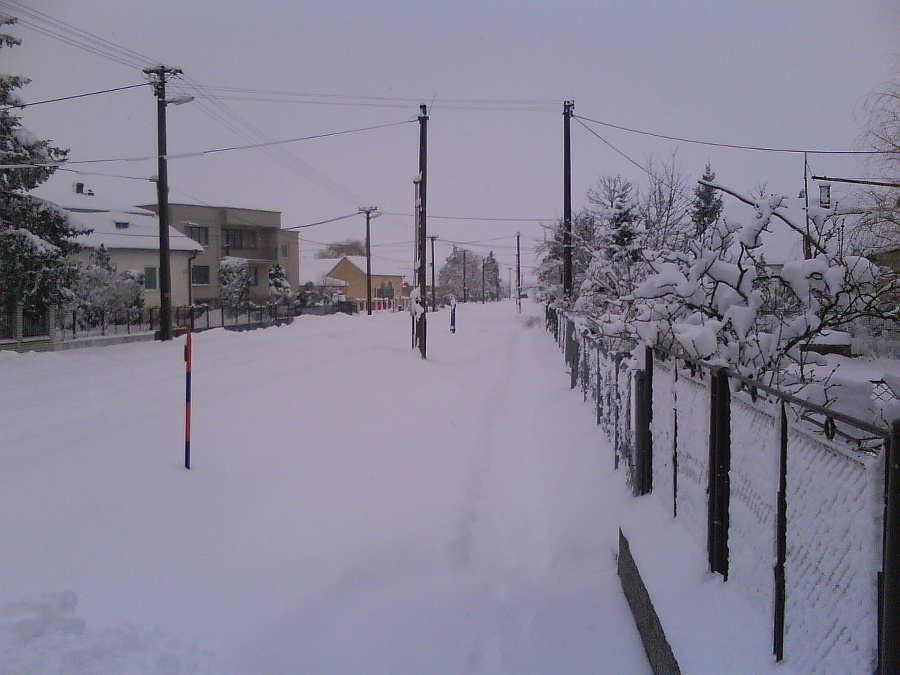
(664, 206)
(706, 207)
(234, 284)
(878, 229)
(491, 269)
(279, 287)
(551, 251)
(35, 235)
(721, 303)
(102, 291)
(617, 261)
(460, 275)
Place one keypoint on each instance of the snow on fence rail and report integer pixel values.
(799, 517)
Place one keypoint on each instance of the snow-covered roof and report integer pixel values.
(126, 230)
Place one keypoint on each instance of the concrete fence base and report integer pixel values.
(659, 652)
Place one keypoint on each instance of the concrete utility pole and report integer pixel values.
(371, 212)
(421, 232)
(433, 301)
(158, 76)
(568, 107)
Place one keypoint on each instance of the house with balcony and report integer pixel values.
(221, 231)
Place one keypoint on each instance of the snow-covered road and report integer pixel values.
(351, 508)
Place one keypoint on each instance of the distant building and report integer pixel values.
(349, 274)
(221, 231)
(132, 240)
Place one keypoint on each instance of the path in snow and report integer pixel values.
(352, 508)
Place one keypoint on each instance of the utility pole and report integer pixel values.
(807, 244)
(158, 76)
(568, 107)
(421, 232)
(465, 285)
(433, 301)
(519, 272)
(369, 210)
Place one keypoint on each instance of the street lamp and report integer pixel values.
(159, 74)
(371, 212)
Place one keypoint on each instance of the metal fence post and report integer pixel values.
(889, 643)
(781, 541)
(719, 466)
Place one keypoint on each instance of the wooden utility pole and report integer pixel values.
(519, 272)
(368, 210)
(420, 328)
(568, 107)
(158, 77)
(483, 261)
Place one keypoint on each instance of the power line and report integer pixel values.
(730, 145)
(201, 153)
(487, 220)
(69, 98)
(323, 222)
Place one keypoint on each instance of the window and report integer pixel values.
(284, 250)
(151, 280)
(254, 276)
(199, 233)
(825, 196)
(121, 224)
(200, 275)
(240, 239)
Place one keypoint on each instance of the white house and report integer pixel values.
(132, 240)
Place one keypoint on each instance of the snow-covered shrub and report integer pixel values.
(101, 291)
(234, 284)
(720, 302)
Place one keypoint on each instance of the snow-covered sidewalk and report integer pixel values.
(351, 508)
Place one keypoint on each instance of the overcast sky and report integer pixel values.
(785, 73)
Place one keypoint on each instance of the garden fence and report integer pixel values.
(795, 504)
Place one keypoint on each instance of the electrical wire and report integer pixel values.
(69, 98)
(486, 220)
(729, 145)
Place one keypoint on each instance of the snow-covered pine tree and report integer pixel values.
(279, 287)
(617, 262)
(35, 235)
(460, 270)
(234, 284)
(706, 208)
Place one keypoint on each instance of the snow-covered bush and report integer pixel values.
(103, 291)
(720, 302)
(234, 284)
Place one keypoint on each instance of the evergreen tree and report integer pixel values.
(35, 235)
(706, 207)
(279, 287)
(492, 277)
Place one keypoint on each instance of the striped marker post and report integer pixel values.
(187, 399)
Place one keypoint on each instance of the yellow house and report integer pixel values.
(352, 270)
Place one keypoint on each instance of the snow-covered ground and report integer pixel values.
(351, 508)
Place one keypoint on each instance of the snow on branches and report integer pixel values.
(722, 303)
